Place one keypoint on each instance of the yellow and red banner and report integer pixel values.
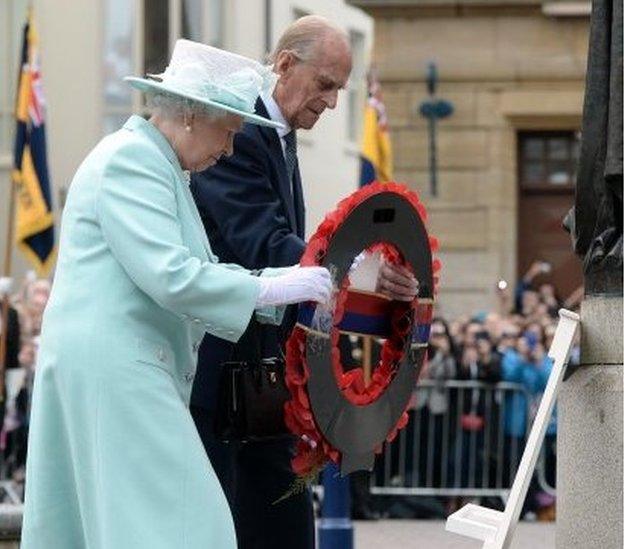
(34, 220)
(376, 154)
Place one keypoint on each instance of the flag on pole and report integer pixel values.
(34, 221)
(375, 165)
(376, 155)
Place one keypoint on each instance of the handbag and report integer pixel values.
(251, 398)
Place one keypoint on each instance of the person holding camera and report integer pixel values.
(434, 402)
(526, 297)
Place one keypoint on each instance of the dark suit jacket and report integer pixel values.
(251, 219)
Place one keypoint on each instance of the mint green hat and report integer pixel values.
(213, 77)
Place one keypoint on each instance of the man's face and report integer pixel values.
(305, 89)
(530, 300)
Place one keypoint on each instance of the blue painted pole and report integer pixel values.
(434, 110)
(335, 530)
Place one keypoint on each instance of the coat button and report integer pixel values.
(161, 355)
(188, 377)
(196, 346)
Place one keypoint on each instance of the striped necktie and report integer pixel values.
(290, 155)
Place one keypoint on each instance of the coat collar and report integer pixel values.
(275, 113)
(138, 124)
(269, 134)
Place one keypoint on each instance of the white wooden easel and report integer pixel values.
(496, 528)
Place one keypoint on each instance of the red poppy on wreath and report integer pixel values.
(388, 219)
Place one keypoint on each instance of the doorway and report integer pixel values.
(547, 162)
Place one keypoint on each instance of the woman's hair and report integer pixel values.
(172, 106)
(447, 334)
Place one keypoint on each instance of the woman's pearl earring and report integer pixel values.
(188, 128)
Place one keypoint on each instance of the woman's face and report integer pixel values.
(523, 347)
(208, 140)
(455, 328)
(484, 348)
(440, 340)
(470, 355)
(38, 294)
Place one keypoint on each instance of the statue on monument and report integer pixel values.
(595, 222)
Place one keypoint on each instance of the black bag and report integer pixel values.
(251, 398)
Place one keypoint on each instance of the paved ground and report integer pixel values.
(430, 534)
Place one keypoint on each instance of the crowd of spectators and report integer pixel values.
(26, 306)
(506, 345)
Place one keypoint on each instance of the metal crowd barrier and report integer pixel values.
(436, 455)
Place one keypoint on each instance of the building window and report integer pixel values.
(138, 39)
(156, 31)
(356, 88)
(119, 53)
(548, 160)
(202, 21)
(12, 19)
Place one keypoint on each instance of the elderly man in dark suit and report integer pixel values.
(252, 208)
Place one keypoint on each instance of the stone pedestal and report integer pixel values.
(589, 438)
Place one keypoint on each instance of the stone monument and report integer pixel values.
(589, 444)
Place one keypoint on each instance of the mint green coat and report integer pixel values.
(114, 460)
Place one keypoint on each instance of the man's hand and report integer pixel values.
(397, 282)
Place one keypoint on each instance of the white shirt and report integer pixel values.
(276, 115)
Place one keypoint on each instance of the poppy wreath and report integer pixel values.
(386, 215)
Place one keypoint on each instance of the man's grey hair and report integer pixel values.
(303, 37)
(173, 106)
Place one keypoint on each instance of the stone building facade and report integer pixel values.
(514, 72)
(88, 46)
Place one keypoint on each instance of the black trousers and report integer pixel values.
(253, 476)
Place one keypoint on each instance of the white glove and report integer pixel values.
(6, 284)
(296, 285)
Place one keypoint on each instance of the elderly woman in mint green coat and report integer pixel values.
(114, 460)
